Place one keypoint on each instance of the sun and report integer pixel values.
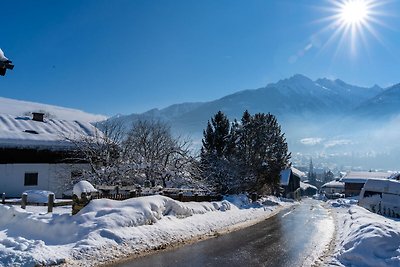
(354, 12)
(352, 23)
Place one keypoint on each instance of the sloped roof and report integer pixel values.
(305, 186)
(362, 177)
(23, 132)
(387, 186)
(285, 175)
(333, 184)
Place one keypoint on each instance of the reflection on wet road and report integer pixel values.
(294, 237)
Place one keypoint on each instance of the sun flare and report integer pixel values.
(354, 12)
(352, 23)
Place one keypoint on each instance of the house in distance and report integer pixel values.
(39, 153)
(290, 182)
(354, 181)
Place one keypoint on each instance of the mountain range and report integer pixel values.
(325, 119)
(297, 98)
(328, 120)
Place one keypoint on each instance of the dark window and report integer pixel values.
(31, 178)
(31, 131)
(372, 193)
(76, 174)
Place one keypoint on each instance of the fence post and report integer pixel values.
(254, 197)
(180, 196)
(24, 200)
(196, 197)
(3, 198)
(132, 193)
(50, 203)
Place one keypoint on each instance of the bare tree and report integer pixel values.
(147, 151)
(158, 155)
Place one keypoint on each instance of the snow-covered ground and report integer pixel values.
(364, 238)
(106, 230)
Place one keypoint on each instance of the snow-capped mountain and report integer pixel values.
(19, 108)
(383, 105)
(298, 97)
(321, 119)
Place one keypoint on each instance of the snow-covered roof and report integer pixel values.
(298, 172)
(333, 184)
(305, 186)
(285, 175)
(19, 107)
(362, 177)
(386, 186)
(22, 132)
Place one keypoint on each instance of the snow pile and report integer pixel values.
(365, 238)
(38, 196)
(106, 230)
(83, 187)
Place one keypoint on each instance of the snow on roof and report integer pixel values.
(305, 186)
(387, 186)
(285, 175)
(333, 184)
(298, 172)
(25, 132)
(18, 107)
(362, 177)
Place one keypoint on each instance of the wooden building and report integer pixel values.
(290, 182)
(354, 181)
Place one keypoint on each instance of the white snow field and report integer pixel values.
(107, 230)
(364, 238)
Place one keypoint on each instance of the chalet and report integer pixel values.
(333, 188)
(354, 181)
(290, 182)
(307, 189)
(39, 153)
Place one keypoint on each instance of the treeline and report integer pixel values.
(238, 156)
(245, 155)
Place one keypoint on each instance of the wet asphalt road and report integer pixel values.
(290, 238)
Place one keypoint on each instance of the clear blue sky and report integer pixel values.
(126, 56)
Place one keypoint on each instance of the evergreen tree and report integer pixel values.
(312, 176)
(215, 154)
(248, 156)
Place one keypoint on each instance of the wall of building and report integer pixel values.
(51, 177)
(353, 189)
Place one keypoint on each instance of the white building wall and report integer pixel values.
(51, 177)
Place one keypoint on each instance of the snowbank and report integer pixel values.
(365, 238)
(106, 230)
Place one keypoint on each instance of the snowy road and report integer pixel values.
(294, 237)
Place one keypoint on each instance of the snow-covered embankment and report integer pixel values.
(107, 230)
(365, 238)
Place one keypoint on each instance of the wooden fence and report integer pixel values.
(174, 194)
(24, 202)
